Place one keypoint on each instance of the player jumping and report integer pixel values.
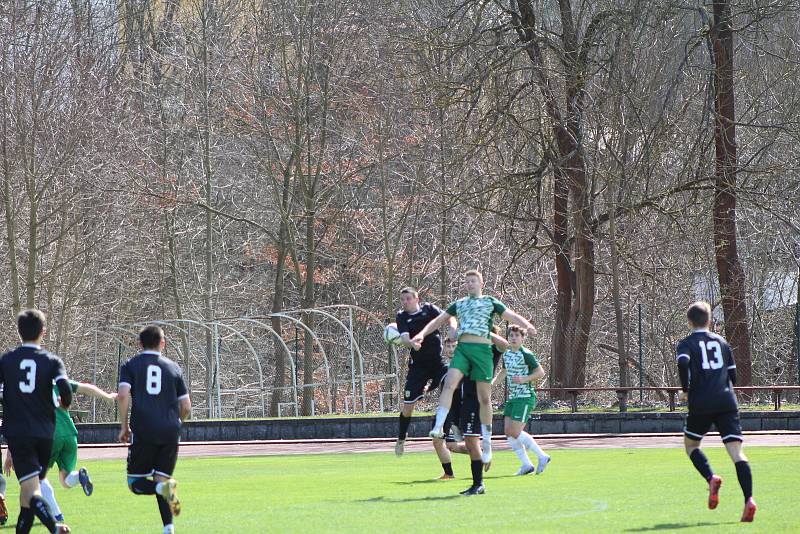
(27, 374)
(707, 373)
(153, 386)
(473, 356)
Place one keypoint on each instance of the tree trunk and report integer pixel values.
(729, 268)
(277, 302)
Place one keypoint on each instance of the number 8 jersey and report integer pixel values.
(156, 387)
(711, 372)
(27, 374)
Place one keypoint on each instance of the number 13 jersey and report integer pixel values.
(710, 359)
(156, 387)
(28, 373)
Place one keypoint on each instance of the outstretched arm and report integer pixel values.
(94, 391)
(430, 327)
(517, 319)
(499, 341)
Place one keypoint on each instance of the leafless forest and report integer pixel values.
(206, 160)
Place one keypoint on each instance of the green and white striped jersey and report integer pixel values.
(520, 362)
(475, 314)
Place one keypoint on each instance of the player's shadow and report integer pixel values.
(411, 499)
(676, 526)
(415, 482)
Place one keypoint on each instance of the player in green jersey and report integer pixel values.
(65, 449)
(521, 368)
(473, 357)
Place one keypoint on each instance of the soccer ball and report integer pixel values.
(391, 336)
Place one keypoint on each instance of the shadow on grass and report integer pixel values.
(676, 526)
(412, 499)
(414, 482)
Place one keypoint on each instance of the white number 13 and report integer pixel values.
(716, 349)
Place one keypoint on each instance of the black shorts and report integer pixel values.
(727, 423)
(470, 417)
(419, 376)
(146, 459)
(453, 416)
(30, 456)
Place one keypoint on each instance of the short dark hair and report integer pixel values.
(30, 324)
(699, 314)
(150, 337)
(410, 291)
(518, 329)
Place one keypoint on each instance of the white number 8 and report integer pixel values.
(153, 379)
(29, 366)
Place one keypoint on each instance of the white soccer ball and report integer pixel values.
(391, 336)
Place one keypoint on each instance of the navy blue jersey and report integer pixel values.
(413, 323)
(156, 387)
(27, 374)
(710, 360)
(468, 386)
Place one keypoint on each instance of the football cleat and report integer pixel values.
(170, 494)
(399, 447)
(525, 470)
(445, 476)
(436, 433)
(542, 464)
(713, 491)
(473, 490)
(86, 482)
(456, 433)
(3, 511)
(749, 511)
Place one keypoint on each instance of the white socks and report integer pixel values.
(441, 415)
(72, 479)
(50, 497)
(520, 451)
(527, 441)
(169, 529)
(486, 436)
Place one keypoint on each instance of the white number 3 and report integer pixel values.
(153, 379)
(29, 366)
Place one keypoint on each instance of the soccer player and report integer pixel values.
(473, 357)
(521, 368)
(27, 374)
(707, 373)
(451, 443)
(425, 362)
(65, 449)
(469, 419)
(153, 386)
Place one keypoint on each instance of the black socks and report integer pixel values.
(164, 510)
(745, 479)
(448, 468)
(25, 521)
(701, 464)
(477, 472)
(42, 511)
(404, 422)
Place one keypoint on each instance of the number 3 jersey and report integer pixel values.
(156, 387)
(711, 372)
(28, 373)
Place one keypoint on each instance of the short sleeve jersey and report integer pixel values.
(475, 314)
(27, 374)
(413, 323)
(64, 425)
(520, 362)
(710, 357)
(157, 386)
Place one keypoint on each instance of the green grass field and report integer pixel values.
(610, 490)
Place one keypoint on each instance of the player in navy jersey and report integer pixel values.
(153, 386)
(708, 373)
(27, 374)
(425, 364)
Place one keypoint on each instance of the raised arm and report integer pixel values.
(517, 319)
(430, 327)
(94, 391)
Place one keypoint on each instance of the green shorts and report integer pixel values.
(474, 360)
(64, 453)
(520, 409)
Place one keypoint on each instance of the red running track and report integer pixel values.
(552, 441)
